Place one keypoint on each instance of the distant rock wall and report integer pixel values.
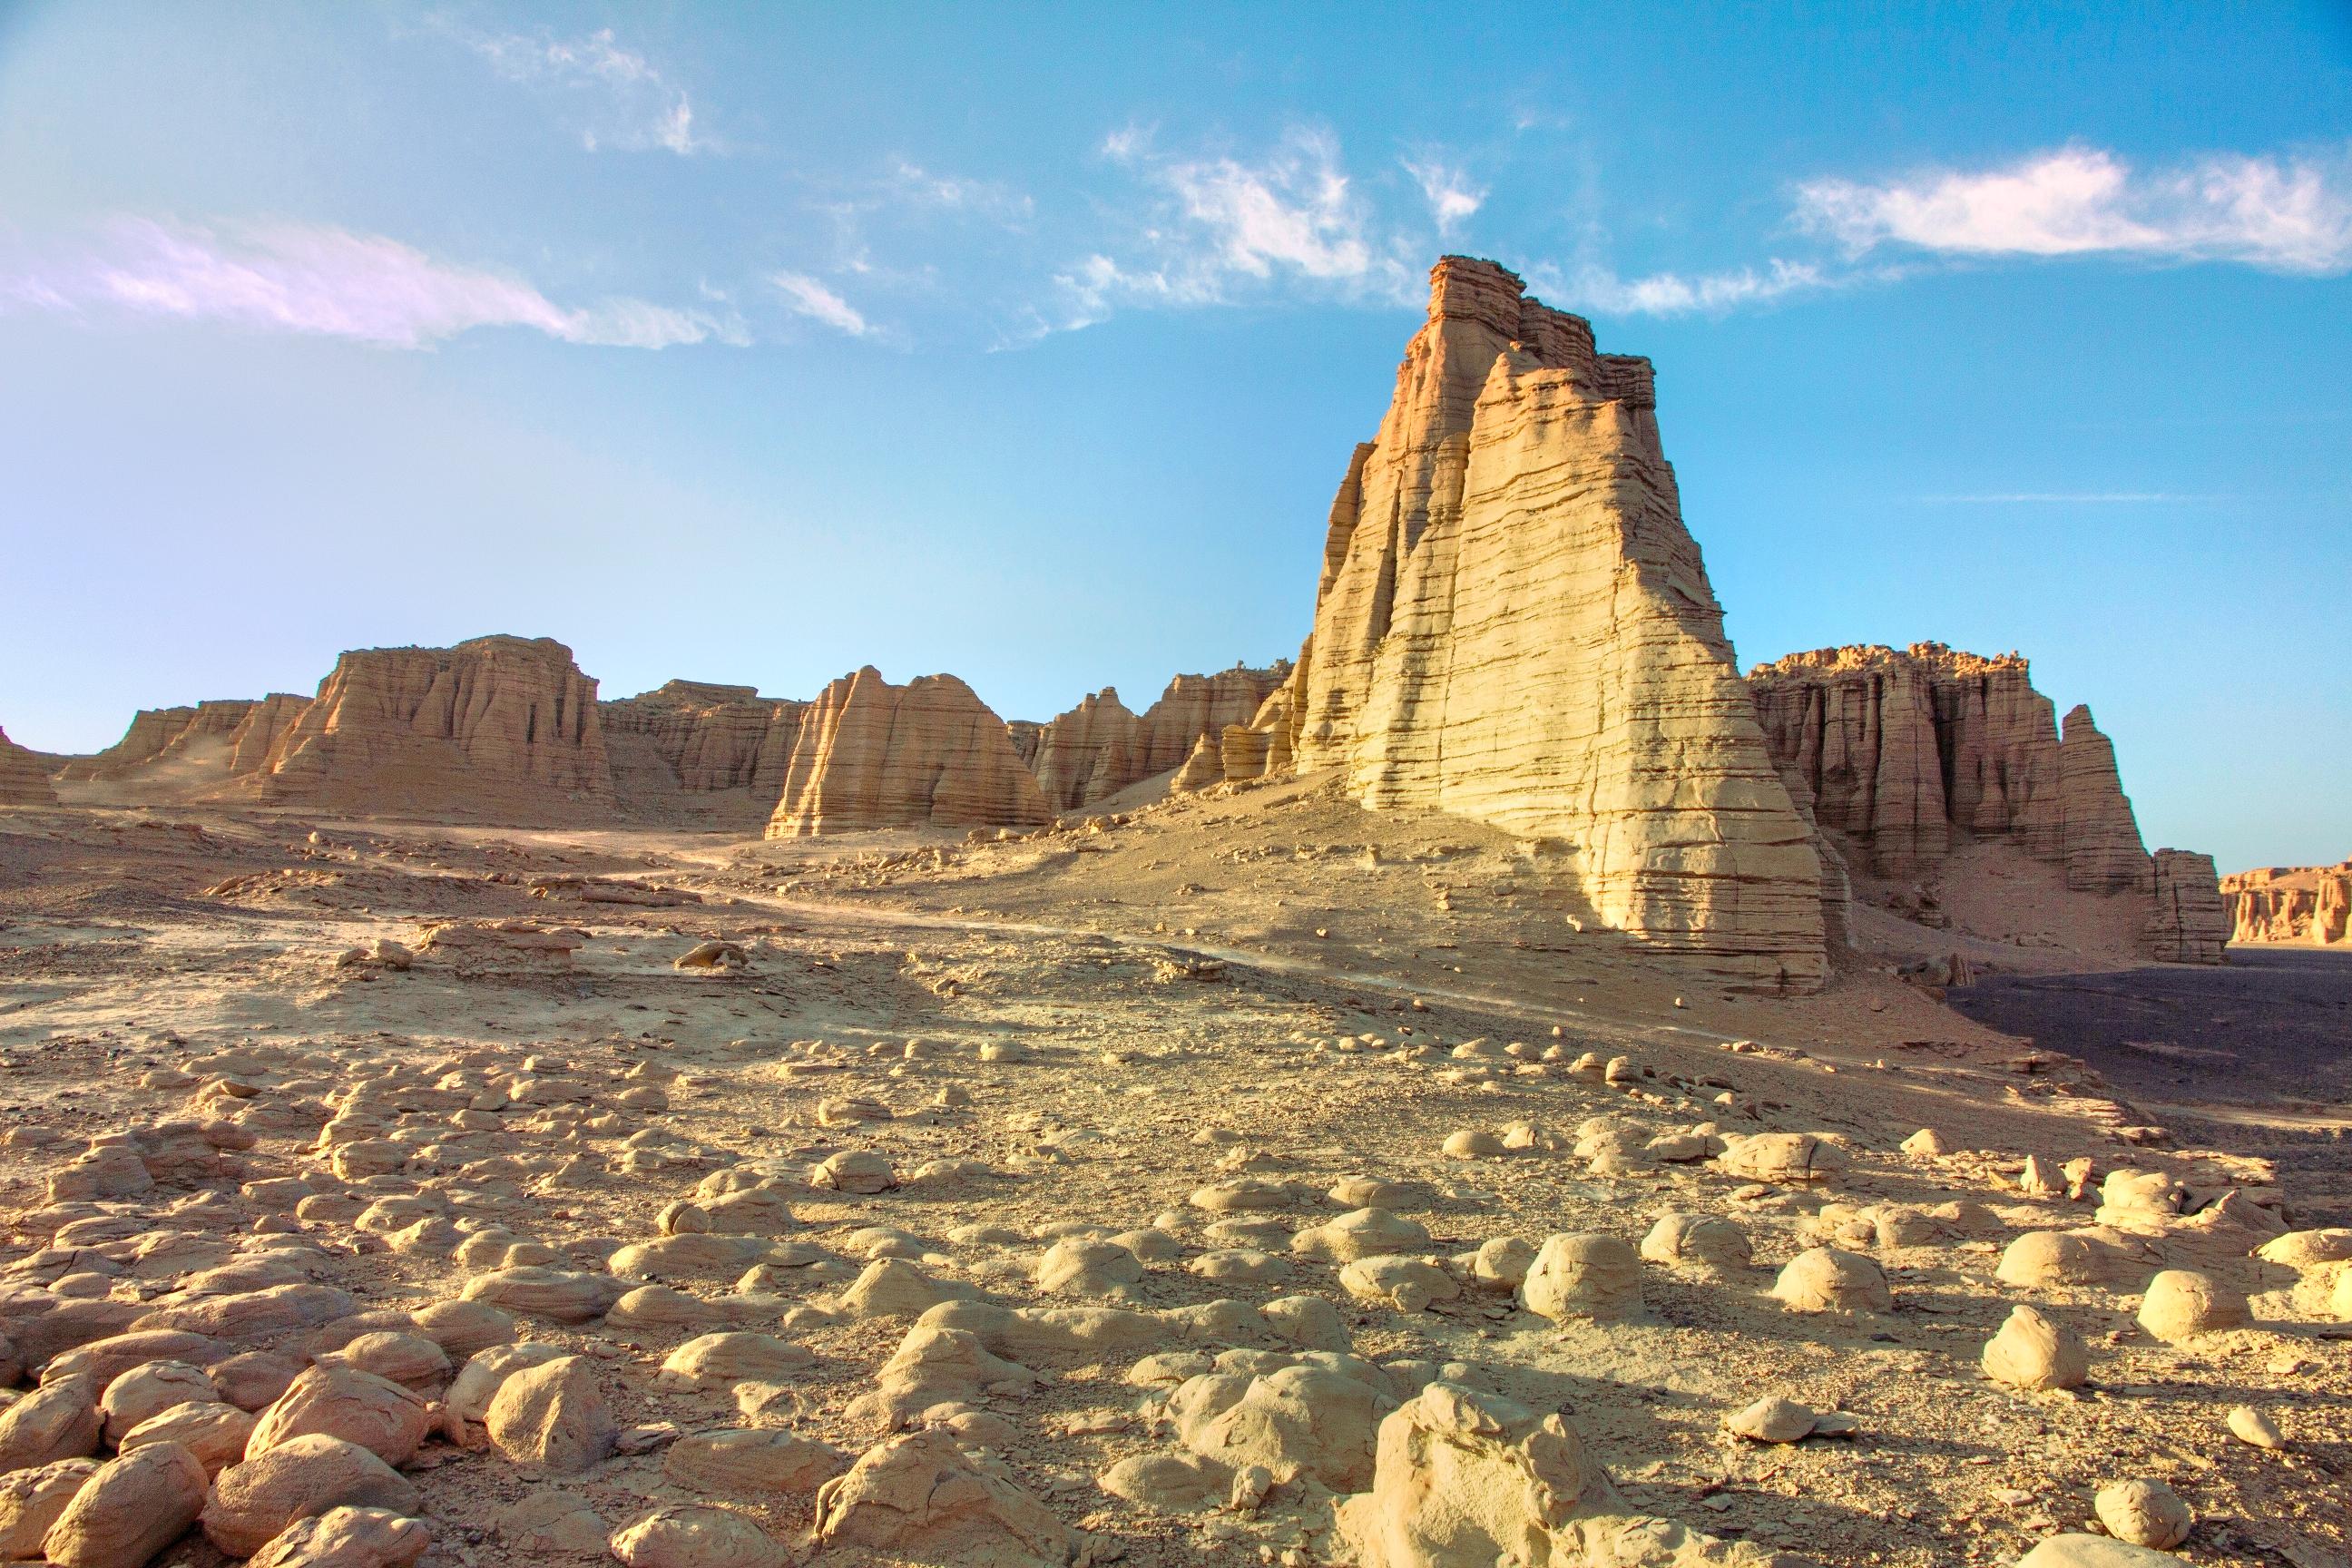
(687, 740)
(24, 776)
(499, 725)
(1513, 625)
(929, 754)
(1904, 752)
(1101, 747)
(2291, 904)
(157, 733)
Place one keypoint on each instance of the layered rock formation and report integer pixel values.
(700, 741)
(2289, 903)
(2191, 921)
(1904, 755)
(24, 776)
(1513, 625)
(929, 754)
(160, 734)
(499, 725)
(1101, 747)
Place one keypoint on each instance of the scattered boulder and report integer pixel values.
(376, 1413)
(752, 1462)
(256, 1500)
(2183, 1303)
(217, 1434)
(1364, 1233)
(30, 1502)
(552, 1415)
(2078, 1551)
(2250, 1427)
(1827, 1280)
(59, 1420)
(1788, 1159)
(1698, 1240)
(918, 1496)
(130, 1508)
(1296, 1420)
(697, 1536)
(1465, 1479)
(1587, 1276)
(2031, 1350)
(2143, 1513)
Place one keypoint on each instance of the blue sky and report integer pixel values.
(756, 343)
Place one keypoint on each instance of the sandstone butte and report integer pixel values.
(24, 776)
(872, 755)
(2290, 904)
(1101, 747)
(1512, 624)
(1904, 755)
(493, 725)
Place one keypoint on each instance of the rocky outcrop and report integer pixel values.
(24, 777)
(499, 726)
(926, 754)
(1905, 755)
(1513, 625)
(258, 736)
(2190, 922)
(1101, 747)
(2289, 903)
(185, 753)
(157, 734)
(693, 744)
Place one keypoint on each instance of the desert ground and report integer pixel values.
(1138, 1068)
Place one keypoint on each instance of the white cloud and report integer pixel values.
(1453, 200)
(1212, 229)
(1598, 289)
(2290, 215)
(807, 297)
(638, 108)
(912, 182)
(318, 280)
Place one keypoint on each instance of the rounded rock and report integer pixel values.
(1828, 1279)
(130, 1510)
(2143, 1513)
(2031, 1350)
(1585, 1275)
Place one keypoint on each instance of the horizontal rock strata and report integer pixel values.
(1513, 625)
(24, 776)
(1101, 746)
(698, 739)
(926, 754)
(499, 725)
(1907, 753)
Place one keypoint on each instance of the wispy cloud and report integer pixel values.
(1598, 289)
(2292, 215)
(318, 280)
(1452, 199)
(1214, 229)
(634, 107)
(804, 296)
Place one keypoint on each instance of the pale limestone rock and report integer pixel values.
(1075, 1265)
(1100, 747)
(553, 1523)
(2031, 1350)
(30, 1502)
(1584, 1275)
(1408, 1284)
(217, 1433)
(552, 1415)
(695, 1536)
(918, 1496)
(466, 1404)
(1169, 1483)
(130, 1510)
(2181, 1303)
(500, 726)
(556, 1295)
(934, 1365)
(2079, 1551)
(376, 1413)
(2252, 1426)
(1791, 1157)
(716, 1361)
(2305, 1250)
(1703, 1240)
(256, 1500)
(1513, 625)
(1827, 1280)
(348, 1538)
(1772, 1420)
(2143, 1513)
(411, 1361)
(1362, 1233)
(1297, 1421)
(150, 1389)
(929, 753)
(59, 1420)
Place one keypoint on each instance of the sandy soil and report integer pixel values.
(1098, 1023)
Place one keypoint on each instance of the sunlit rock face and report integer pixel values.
(929, 753)
(1513, 625)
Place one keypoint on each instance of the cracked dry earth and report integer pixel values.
(390, 1173)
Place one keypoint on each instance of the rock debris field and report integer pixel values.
(381, 1195)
